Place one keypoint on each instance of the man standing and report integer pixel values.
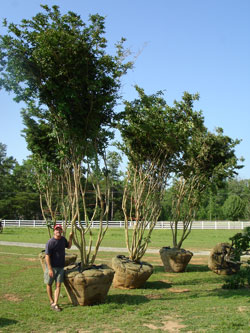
(55, 261)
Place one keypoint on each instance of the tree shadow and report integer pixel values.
(7, 322)
(228, 293)
(157, 285)
(159, 269)
(197, 268)
(190, 268)
(126, 299)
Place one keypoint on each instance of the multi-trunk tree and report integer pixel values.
(155, 138)
(208, 160)
(58, 65)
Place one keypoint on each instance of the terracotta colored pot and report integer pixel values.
(130, 274)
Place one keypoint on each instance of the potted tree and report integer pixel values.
(58, 66)
(208, 160)
(154, 136)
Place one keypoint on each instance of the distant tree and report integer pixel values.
(7, 164)
(113, 163)
(234, 208)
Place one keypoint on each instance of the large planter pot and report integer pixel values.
(217, 262)
(70, 259)
(130, 274)
(90, 286)
(175, 260)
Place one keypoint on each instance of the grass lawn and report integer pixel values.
(188, 302)
(197, 240)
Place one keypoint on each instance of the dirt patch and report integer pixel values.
(169, 274)
(165, 281)
(12, 298)
(243, 308)
(153, 259)
(30, 259)
(168, 325)
(179, 291)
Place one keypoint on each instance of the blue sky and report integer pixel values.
(183, 45)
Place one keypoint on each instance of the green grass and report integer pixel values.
(193, 301)
(197, 240)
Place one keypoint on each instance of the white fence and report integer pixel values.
(120, 224)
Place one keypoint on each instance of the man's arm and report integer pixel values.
(70, 240)
(47, 259)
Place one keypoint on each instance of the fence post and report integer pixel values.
(19, 223)
(202, 225)
(228, 225)
(4, 223)
(34, 223)
(215, 225)
(242, 227)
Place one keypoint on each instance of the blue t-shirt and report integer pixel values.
(55, 248)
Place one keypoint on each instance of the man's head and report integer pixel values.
(57, 231)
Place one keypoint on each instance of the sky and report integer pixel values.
(180, 45)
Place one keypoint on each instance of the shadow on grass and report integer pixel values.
(7, 322)
(190, 268)
(227, 293)
(126, 299)
(159, 269)
(197, 268)
(157, 285)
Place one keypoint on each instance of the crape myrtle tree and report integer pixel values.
(209, 159)
(58, 65)
(155, 136)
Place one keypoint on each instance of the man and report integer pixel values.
(55, 261)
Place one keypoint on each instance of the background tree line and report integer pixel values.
(19, 198)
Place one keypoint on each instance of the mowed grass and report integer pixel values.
(188, 302)
(197, 240)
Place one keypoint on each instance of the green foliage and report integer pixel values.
(18, 198)
(234, 207)
(58, 66)
(239, 280)
(240, 245)
(152, 129)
